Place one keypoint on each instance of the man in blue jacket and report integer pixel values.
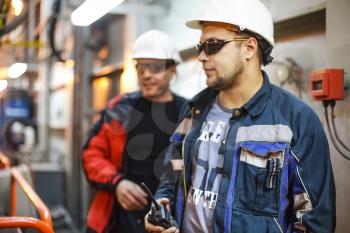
(256, 158)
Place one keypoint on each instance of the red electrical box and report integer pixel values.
(327, 84)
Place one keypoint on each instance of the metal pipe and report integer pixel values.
(43, 211)
(4, 162)
(13, 200)
(27, 222)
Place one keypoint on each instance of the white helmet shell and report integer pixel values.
(157, 45)
(246, 14)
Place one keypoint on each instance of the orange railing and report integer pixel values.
(4, 162)
(44, 224)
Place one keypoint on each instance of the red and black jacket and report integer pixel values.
(103, 156)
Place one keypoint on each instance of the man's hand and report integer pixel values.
(131, 196)
(155, 229)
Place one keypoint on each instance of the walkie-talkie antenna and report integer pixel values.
(144, 186)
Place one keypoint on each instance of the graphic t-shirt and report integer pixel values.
(207, 165)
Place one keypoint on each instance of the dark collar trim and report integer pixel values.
(257, 103)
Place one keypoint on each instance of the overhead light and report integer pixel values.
(128, 80)
(91, 10)
(3, 85)
(69, 63)
(17, 6)
(17, 69)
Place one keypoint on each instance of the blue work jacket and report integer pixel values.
(277, 175)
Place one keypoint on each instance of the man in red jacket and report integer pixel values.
(126, 146)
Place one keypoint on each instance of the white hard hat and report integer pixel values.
(251, 15)
(155, 44)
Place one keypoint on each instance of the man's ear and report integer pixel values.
(251, 48)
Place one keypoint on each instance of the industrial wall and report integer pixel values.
(337, 55)
(295, 55)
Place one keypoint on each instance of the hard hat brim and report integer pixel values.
(177, 60)
(198, 24)
(194, 24)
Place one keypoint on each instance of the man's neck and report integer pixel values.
(243, 90)
(165, 97)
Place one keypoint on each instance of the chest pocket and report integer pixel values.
(258, 177)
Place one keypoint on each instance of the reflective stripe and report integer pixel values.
(279, 227)
(273, 173)
(295, 156)
(177, 164)
(184, 126)
(267, 133)
(302, 204)
(301, 218)
(184, 173)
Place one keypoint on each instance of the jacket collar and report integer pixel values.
(258, 102)
(203, 97)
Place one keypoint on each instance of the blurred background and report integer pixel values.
(58, 70)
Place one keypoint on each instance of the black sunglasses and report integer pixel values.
(212, 46)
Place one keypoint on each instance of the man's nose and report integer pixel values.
(203, 56)
(146, 74)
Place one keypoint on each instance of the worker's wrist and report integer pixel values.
(117, 179)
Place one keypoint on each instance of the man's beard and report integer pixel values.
(222, 83)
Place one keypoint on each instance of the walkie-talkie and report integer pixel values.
(159, 214)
